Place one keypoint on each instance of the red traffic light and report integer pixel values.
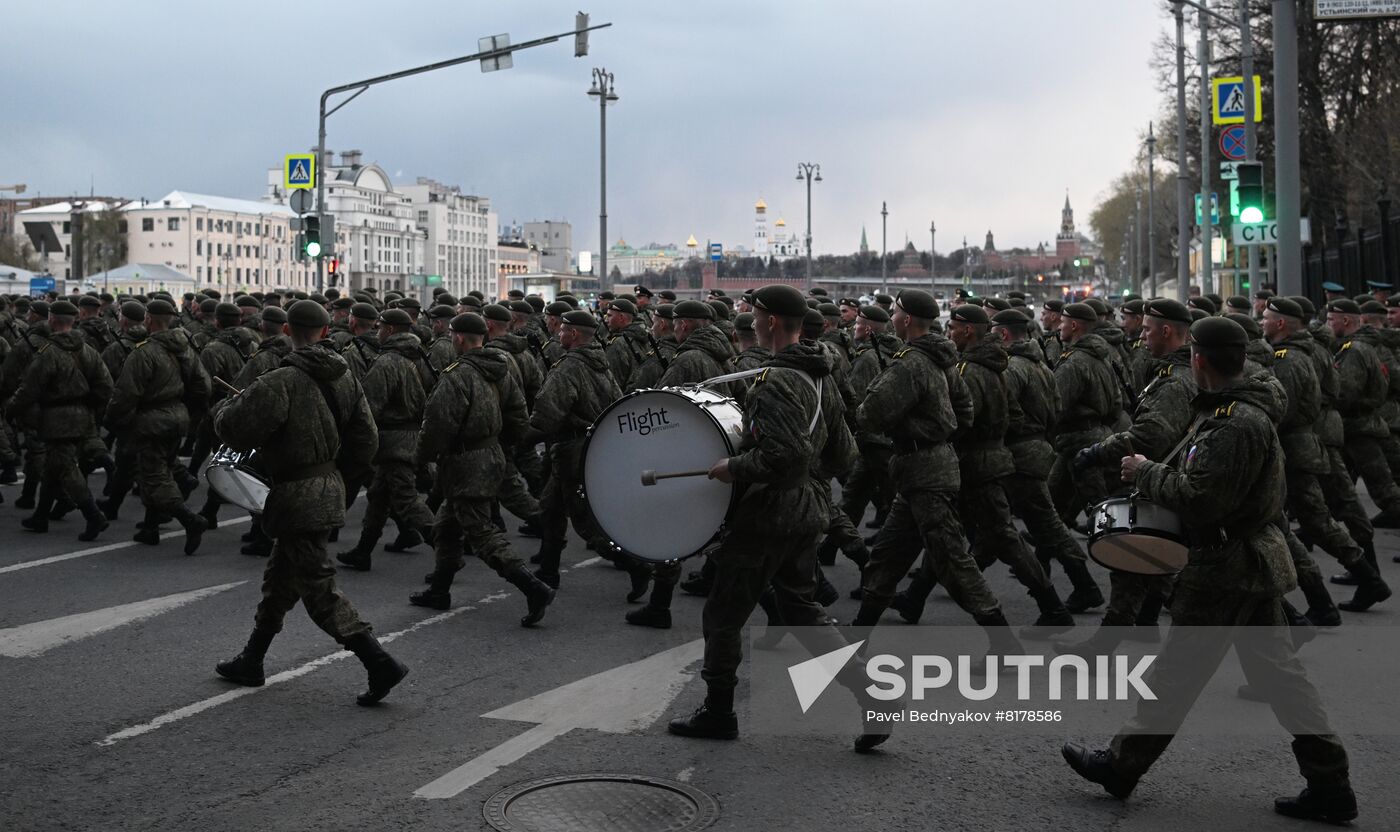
(333, 265)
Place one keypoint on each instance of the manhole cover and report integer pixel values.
(596, 802)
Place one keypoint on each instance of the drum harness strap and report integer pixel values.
(816, 386)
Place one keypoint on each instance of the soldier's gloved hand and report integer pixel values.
(1086, 458)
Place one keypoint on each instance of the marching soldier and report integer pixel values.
(363, 347)
(300, 416)
(627, 342)
(663, 349)
(93, 324)
(1050, 316)
(223, 356)
(476, 411)
(752, 354)
(440, 349)
(340, 322)
(1093, 404)
(1226, 490)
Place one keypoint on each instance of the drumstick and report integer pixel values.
(649, 477)
(235, 390)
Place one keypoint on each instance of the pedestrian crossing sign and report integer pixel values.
(299, 171)
(1227, 100)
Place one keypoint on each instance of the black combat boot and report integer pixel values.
(869, 613)
(8, 475)
(879, 519)
(1368, 553)
(1386, 520)
(657, 612)
(195, 527)
(261, 545)
(247, 667)
(1322, 610)
(549, 553)
(1102, 643)
(438, 595)
(361, 556)
(1145, 628)
(1329, 804)
(96, 522)
(1054, 618)
(640, 575)
(1371, 588)
(531, 528)
(874, 732)
(826, 551)
(538, 594)
(112, 505)
(1001, 642)
(407, 539)
(384, 670)
(698, 583)
(61, 506)
(714, 720)
(1086, 594)
(826, 593)
(1097, 767)
(27, 491)
(39, 520)
(910, 602)
(148, 530)
(185, 481)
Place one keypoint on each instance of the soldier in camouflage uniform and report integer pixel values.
(514, 340)
(396, 388)
(513, 493)
(1135, 343)
(552, 351)
(1034, 409)
(94, 326)
(363, 347)
(1226, 488)
(62, 394)
(752, 355)
(1092, 402)
(1385, 341)
(793, 425)
(148, 412)
(440, 351)
(1050, 316)
(627, 342)
(132, 331)
(663, 350)
(35, 335)
(300, 417)
(340, 323)
(474, 414)
(920, 402)
(223, 357)
(274, 346)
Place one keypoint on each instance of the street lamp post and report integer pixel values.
(1151, 224)
(884, 280)
(812, 172)
(932, 259)
(603, 89)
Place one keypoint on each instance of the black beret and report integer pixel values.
(89, 302)
(665, 310)
(851, 302)
(319, 298)
(578, 317)
(469, 323)
(999, 304)
(830, 310)
(918, 303)
(445, 299)
(970, 314)
(812, 304)
(1286, 306)
(1248, 324)
(884, 298)
(722, 309)
(332, 294)
(875, 313)
(1307, 305)
(1131, 296)
(1012, 318)
(1392, 301)
(410, 303)
(160, 307)
(743, 322)
(666, 294)
(1373, 307)
(818, 291)
(812, 323)
(1100, 308)
(694, 309)
(473, 301)
(1169, 310)
(1137, 306)
(364, 311)
(627, 296)
(134, 311)
(623, 305)
(342, 303)
(40, 307)
(1016, 295)
(536, 303)
(515, 294)
(1361, 298)
(558, 307)
(63, 307)
(1204, 304)
(496, 312)
(1080, 312)
(476, 293)
(1344, 306)
(643, 291)
(395, 317)
(1199, 314)
(1237, 302)
(247, 302)
(228, 312)
(442, 311)
(522, 307)
(276, 314)
(1263, 294)
(606, 296)
(1218, 332)
(1215, 299)
(781, 300)
(188, 295)
(1053, 306)
(308, 314)
(209, 306)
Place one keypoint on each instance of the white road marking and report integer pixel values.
(685, 774)
(109, 547)
(620, 700)
(588, 562)
(30, 640)
(285, 676)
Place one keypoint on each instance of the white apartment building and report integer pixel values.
(376, 232)
(49, 228)
(461, 235)
(555, 241)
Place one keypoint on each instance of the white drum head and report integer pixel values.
(1140, 554)
(237, 487)
(664, 431)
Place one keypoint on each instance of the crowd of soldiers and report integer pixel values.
(950, 430)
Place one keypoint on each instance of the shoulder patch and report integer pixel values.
(1283, 353)
(1346, 346)
(1225, 410)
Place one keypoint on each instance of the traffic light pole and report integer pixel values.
(1183, 188)
(1207, 230)
(1251, 146)
(1287, 173)
(360, 86)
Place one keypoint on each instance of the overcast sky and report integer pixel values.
(975, 113)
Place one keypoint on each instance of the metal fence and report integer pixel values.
(1341, 255)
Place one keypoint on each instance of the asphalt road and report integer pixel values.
(115, 720)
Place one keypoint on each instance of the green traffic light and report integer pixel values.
(313, 249)
(1251, 214)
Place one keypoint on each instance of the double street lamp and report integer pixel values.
(812, 172)
(603, 90)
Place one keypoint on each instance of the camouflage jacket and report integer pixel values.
(1089, 393)
(704, 354)
(1033, 407)
(1385, 342)
(359, 353)
(225, 356)
(1362, 385)
(19, 358)
(340, 335)
(162, 374)
(476, 408)
(919, 402)
(117, 352)
(1294, 368)
(396, 394)
(981, 444)
(268, 356)
(841, 340)
(873, 357)
(98, 332)
(794, 434)
(753, 358)
(66, 387)
(654, 365)
(300, 438)
(1163, 413)
(626, 350)
(531, 373)
(1053, 347)
(575, 392)
(441, 352)
(1227, 487)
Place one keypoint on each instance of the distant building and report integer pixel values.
(516, 257)
(634, 262)
(461, 237)
(760, 228)
(1069, 245)
(555, 241)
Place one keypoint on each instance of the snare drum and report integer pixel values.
(237, 478)
(1133, 534)
(672, 429)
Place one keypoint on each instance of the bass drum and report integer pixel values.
(1135, 535)
(666, 430)
(237, 478)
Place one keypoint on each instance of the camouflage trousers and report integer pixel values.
(1073, 491)
(563, 499)
(532, 468)
(926, 521)
(394, 492)
(8, 457)
(515, 495)
(468, 519)
(300, 570)
(746, 563)
(987, 517)
(1367, 459)
(1340, 493)
(1315, 522)
(1190, 656)
(61, 474)
(154, 457)
(1030, 500)
(869, 483)
(1128, 593)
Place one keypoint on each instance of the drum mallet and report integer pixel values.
(235, 390)
(649, 477)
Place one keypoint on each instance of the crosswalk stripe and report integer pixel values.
(97, 550)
